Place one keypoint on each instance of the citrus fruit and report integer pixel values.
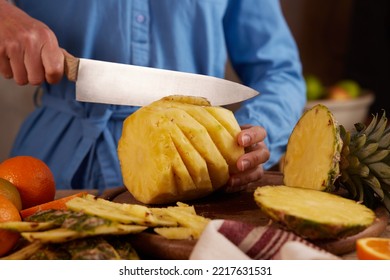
(11, 193)
(32, 177)
(373, 248)
(8, 212)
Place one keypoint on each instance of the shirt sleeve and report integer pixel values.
(265, 57)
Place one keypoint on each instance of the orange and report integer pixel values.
(32, 177)
(10, 192)
(373, 248)
(58, 204)
(8, 212)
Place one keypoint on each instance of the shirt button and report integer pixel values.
(140, 18)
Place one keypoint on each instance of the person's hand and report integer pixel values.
(29, 51)
(250, 164)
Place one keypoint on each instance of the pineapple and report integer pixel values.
(216, 127)
(313, 214)
(313, 151)
(321, 155)
(178, 148)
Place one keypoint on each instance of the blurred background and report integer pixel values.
(337, 39)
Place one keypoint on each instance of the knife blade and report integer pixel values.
(122, 84)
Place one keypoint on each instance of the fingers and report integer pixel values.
(29, 51)
(35, 71)
(53, 61)
(251, 135)
(258, 154)
(249, 165)
(239, 181)
(5, 67)
(252, 139)
(12, 66)
(16, 57)
(43, 60)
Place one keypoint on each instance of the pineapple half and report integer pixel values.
(321, 155)
(178, 148)
(313, 214)
(313, 151)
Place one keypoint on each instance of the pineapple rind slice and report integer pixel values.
(313, 151)
(313, 214)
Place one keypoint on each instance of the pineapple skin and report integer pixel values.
(313, 214)
(167, 153)
(313, 151)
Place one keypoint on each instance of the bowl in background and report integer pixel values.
(347, 112)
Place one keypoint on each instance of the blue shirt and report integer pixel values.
(78, 140)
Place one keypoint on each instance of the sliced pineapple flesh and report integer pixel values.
(313, 214)
(201, 141)
(219, 133)
(174, 149)
(313, 151)
(156, 162)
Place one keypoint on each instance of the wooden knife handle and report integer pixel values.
(71, 66)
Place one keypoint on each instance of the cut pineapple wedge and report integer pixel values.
(220, 135)
(60, 235)
(313, 214)
(313, 151)
(21, 226)
(199, 142)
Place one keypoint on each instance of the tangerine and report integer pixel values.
(32, 177)
(373, 248)
(8, 212)
(10, 192)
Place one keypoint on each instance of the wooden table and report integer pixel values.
(270, 178)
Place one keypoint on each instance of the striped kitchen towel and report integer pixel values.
(225, 239)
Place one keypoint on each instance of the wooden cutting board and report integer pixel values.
(233, 206)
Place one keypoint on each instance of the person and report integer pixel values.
(78, 140)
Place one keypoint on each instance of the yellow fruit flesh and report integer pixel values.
(195, 164)
(313, 151)
(220, 135)
(153, 160)
(226, 118)
(200, 139)
(313, 213)
(167, 154)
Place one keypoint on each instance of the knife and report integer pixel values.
(122, 84)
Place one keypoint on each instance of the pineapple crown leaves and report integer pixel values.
(365, 161)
